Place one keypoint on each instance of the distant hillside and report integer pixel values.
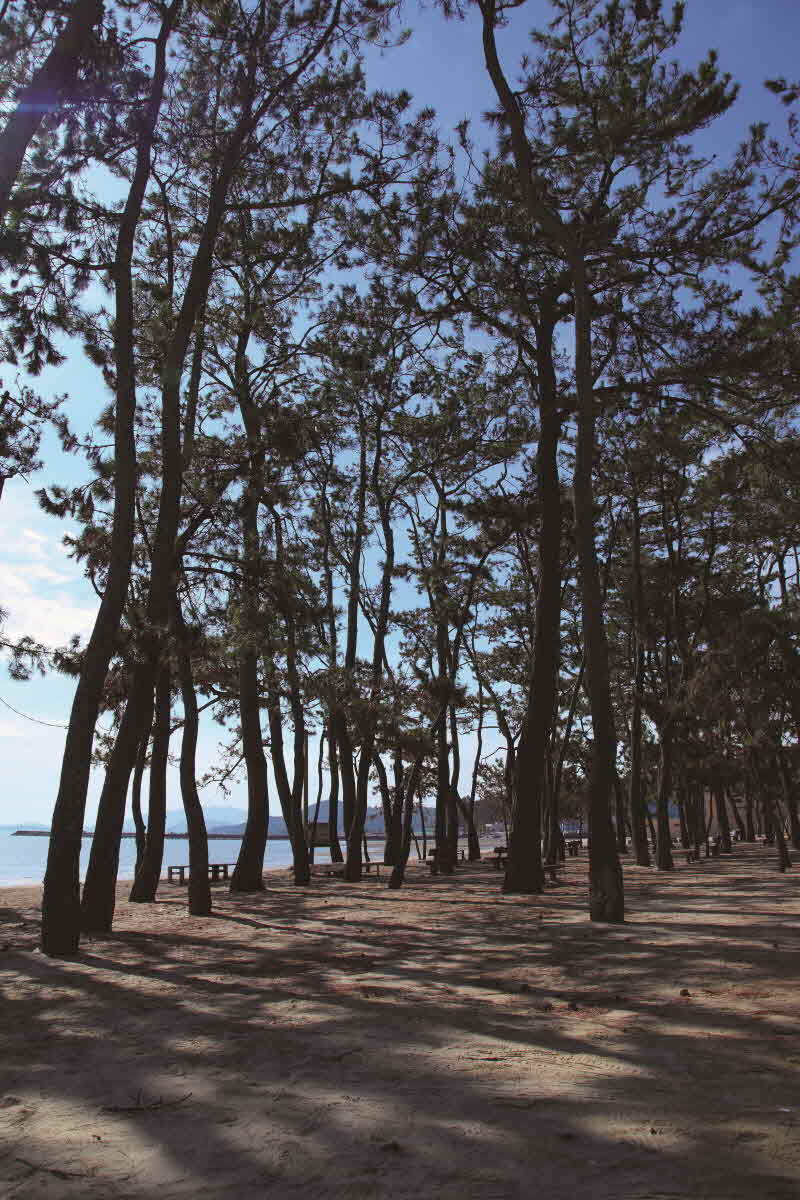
(226, 819)
(216, 815)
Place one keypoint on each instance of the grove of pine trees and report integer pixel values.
(428, 446)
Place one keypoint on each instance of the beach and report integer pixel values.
(444, 1040)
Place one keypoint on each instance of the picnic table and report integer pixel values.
(217, 872)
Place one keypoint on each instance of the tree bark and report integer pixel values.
(664, 860)
(392, 829)
(289, 794)
(61, 903)
(136, 798)
(748, 815)
(619, 815)
(397, 876)
(162, 585)
(606, 897)
(723, 822)
(99, 890)
(789, 797)
(145, 885)
(248, 874)
(199, 886)
(46, 91)
(333, 801)
(683, 818)
(740, 825)
(473, 841)
(353, 866)
(524, 873)
(636, 801)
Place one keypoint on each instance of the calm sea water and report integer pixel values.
(23, 859)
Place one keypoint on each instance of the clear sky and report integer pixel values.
(442, 67)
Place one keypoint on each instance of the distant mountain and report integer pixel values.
(216, 815)
(222, 818)
(277, 827)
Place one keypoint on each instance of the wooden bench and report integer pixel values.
(217, 872)
(335, 870)
(573, 847)
(377, 863)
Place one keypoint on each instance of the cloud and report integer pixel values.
(46, 596)
(38, 608)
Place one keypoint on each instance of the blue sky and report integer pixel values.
(442, 67)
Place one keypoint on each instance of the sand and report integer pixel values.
(442, 1041)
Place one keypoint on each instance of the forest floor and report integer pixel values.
(442, 1041)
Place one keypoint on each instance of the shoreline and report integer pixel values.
(37, 882)
(169, 837)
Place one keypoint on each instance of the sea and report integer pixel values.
(23, 859)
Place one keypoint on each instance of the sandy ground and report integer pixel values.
(442, 1041)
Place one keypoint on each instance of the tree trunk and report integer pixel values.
(444, 794)
(333, 801)
(636, 797)
(162, 586)
(606, 897)
(248, 874)
(289, 795)
(48, 89)
(748, 816)
(100, 887)
(136, 798)
(199, 886)
(698, 818)
(397, 876)
(455, 805)
(619, 815)
(684, 823)
(392, 830)
(524, 872)
(346, 756)
(473, 841)
(355, 835)
(312, 839)
(145, 885)
(779, 839)
(61, 902)
(790, 799)
(722, 822)
(664, 860)
(737, 816)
